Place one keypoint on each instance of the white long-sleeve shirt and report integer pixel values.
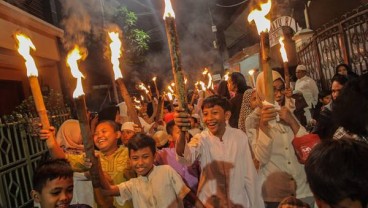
(308, 87)
(276, 153)
(228, 176)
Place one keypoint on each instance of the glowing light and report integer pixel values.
(143, 87)
(72, 62)
(226, 76)
(115, 48)
(203, 86)
(24, 46)
(169, 12)
(170, 96)
(251, 72)
(283, 50)
(258, 16)
(170, 89)
(154, 79)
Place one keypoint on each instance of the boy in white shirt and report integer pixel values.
(228, 176)
(155, 186)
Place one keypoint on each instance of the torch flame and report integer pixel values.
(226, 76)
(24, 46)
(143, 87)
(210, 83)
(282, 50)
(185, 80)
(263, 24)
(115, 47)
(72, 62)
(205, 71)
(170, 96)
(169, 12)
(154, 79)
(170, 89)
(172, 84)
(136, 101)
(203, 86)
(251, 72)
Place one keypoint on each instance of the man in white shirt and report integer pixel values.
(308, 87)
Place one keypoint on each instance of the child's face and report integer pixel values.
(215, 119)
(126, 135)
(141, 160)
(326, 100)
(57, 193)
(175, 133)
(105, 138)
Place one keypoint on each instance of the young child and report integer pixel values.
(156, 186)
(127, 132)
(228, 176)
(53, 184)
(114, 159)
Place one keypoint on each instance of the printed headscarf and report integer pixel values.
(245, 109)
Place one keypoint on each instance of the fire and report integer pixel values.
(282, 50)
(226, 76)
(210, 83)
(169, 12)
(72, 62)
(263, 24)
(205, 71)
(24, 46)
(154, 79)
(170, 96)
(115, 47)
(136, 101)
(185, 80)
(251, 72)
(142, 98)
(172, 84)
(143, 87)
(170, 89)
(203, 86)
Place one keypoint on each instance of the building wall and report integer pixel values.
(12, 68)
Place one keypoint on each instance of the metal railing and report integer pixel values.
(20, 152)
(342, 41)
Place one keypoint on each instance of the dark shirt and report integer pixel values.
(236, 102)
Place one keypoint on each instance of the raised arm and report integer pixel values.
(49, 136)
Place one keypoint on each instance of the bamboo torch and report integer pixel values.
(24, 46)
(156, 88)
(169, 17)
(263, 27)
(80, 103)
(115, 47)
(285, 61)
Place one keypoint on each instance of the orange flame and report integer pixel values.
(143, 87)
(205, 71)
(251, 72)
(115, 47)
(282, 50)
(210, 83)
(24, 46)
(185, 80)
(72, 62)
(154, 79)
(170, 89)
(136, 101)
(203, 86)
(172, 84)
(263, 24)
(169, 12)
(170, 96)
(226, 76)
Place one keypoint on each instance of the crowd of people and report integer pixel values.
(229, 148)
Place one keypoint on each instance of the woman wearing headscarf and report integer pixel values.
(249, 103)
(272, 146)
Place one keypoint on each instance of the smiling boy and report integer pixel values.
(155, 186)
(53, 184)
(228, 177)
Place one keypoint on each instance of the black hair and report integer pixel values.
(324, 93)
(222, 89)
(113, 124)
(170, 126)
(351, 106)
(338, 170)
(140, 141)
(50, 170)
(213, 100)
(341, 79)
(238, 79)
(347, 67)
